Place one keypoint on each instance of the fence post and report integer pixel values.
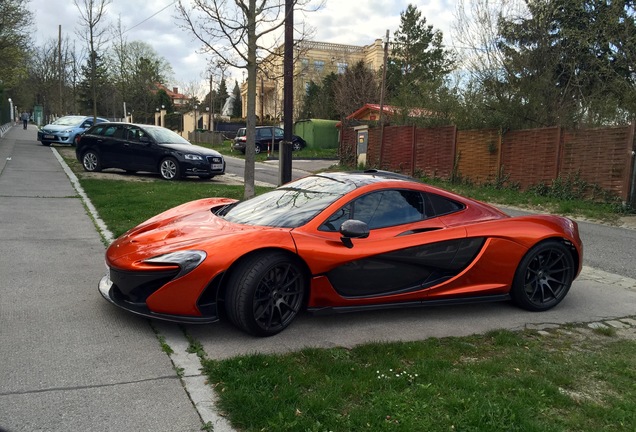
(413, 150)
(630, 167)
(499, 152)
(559, 150)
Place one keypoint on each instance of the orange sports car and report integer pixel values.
(337, 242)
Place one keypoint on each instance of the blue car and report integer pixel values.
(66, 130)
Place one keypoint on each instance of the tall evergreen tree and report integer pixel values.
(570, 62)
(237, 106)
(95, 87)
(418, 62)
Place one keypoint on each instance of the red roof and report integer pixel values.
(388, 110)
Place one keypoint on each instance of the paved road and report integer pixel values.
(608, 248)
(268, 172)
(67, 362)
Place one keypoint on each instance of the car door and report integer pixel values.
(408, 249)
(264, 137)
(140, 153)
(110, 145)
(279, 134)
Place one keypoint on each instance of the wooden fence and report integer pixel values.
(602, 157)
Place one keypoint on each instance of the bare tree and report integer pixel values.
(239, 34)
(91, 14)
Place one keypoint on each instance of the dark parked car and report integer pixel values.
(66, 130)
(266, 135)
(134, 147)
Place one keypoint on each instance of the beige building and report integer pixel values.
(312, 61)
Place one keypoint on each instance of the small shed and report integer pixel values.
(317, 132)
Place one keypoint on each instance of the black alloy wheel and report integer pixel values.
(169, 169)
(91, 161)
(265, 293)
(543, 277)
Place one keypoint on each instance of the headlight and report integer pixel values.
(193, 157)
(67, 131)
(188, 260)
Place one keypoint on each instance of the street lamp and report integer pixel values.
(195, 123)
(11, 107)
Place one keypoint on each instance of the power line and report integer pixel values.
(151, 16)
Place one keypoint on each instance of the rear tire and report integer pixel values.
(544, 276)
(91, 161)
(257, 149)
(265, 293)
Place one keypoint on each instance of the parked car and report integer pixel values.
(136, 147)
(65, 130)
(337, 242)
(266, 135)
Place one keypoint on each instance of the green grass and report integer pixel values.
(502, 381)
(602, 210)
(124, 204)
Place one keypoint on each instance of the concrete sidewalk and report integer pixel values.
(67, 362)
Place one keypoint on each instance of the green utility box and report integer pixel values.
(318, 133)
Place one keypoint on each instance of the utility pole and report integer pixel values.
(285, 147)
(59, 65)
(386, 52)
(211, 112)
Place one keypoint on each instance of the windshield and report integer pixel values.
(289, 206)
(69, 120)
(165, 136)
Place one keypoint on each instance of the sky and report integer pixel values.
(353, 22)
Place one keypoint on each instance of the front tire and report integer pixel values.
(265, 293)
(169, 169)
(46, 143)
(91, 161)
(544, 276)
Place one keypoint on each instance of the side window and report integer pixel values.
(114, 131)
(442, 206)
(265, 133)
(97, 130)
(110, 131)
(278, 133)
(380, 209)
(133, 134)
(336, 219)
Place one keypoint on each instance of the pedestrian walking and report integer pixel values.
(25, 119)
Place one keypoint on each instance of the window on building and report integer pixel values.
(319, 66)
(304, 64)
(342, 67)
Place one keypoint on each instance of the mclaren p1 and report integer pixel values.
(337, 242)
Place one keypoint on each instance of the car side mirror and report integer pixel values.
(85, 125)
(351, 229)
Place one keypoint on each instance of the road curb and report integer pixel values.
(199, 392)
